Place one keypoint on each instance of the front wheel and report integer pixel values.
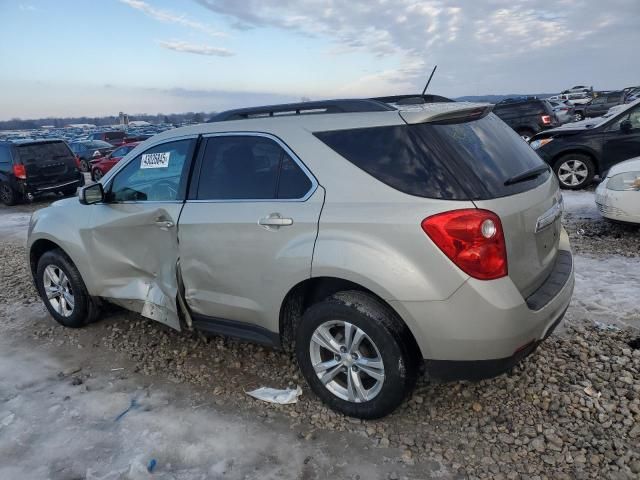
(63, 292)
(574, 171)
(84, 165)
(96, 174)
(578, 116)
(356, 355)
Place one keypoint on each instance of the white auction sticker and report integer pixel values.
(155, 160)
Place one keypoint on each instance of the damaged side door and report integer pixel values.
(133, 240)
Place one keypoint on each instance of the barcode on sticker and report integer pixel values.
(155, 160)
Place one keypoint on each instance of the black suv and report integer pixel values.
(527, 116)
(579, 151)
(30, 168)
(602, 103)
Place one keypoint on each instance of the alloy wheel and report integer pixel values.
(573, 173)
(58, 290)
(347, 361)
(97, 175)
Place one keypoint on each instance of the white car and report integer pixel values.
(618, 195)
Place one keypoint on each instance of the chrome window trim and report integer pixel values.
(285, 147)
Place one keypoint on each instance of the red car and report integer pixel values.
(102, 165)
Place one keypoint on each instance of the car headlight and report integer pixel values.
(624, 182)
(536, 144)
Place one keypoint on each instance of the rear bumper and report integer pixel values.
(45, 188)
(489, 326)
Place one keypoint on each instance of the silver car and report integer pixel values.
(371, 237)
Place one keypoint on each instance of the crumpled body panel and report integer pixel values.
(133, 255)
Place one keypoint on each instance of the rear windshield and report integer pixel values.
(43, 152)
(112, 135)
(98, 144)
(455, 161)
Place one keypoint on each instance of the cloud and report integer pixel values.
(27, 8)
(171, 17)
(477, 44)
(181, 46)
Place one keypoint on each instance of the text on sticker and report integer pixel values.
(155, 160)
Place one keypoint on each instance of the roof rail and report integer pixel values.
(416, 99)
(323, 106)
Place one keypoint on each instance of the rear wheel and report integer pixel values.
(574, 171)
(96, 174)
(84, 165)
(8, 195)
(356, 355)
(63, 292)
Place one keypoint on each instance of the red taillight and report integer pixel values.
(77, 159)
(473, 239)
(546, 119)
(20, 172)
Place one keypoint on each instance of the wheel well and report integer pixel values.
(314, 290)
(39, 248)
(596, 164)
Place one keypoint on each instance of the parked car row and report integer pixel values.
(579, 151)
(29, 168)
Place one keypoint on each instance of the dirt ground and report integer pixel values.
(104, 401)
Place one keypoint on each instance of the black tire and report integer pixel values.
(85, 309)
(390, 336)
(8, 195)
(582, 165)
(96, 174)
(84, 165)
(578, 116)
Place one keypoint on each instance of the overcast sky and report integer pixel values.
(75, 57)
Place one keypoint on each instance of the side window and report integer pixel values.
(633, 117)
(249, 168)
(293, 182)
(120, 152)
(5, 158)
(155, 175)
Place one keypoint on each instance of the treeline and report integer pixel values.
(19, 124)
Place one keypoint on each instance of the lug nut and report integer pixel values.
(354, 368)
(343, 349)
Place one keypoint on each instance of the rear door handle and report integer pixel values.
(275, 220)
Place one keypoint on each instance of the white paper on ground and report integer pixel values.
(275, 395)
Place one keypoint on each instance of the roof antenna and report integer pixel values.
(429, 81)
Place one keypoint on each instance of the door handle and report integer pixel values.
(275, 220)
(164, 223)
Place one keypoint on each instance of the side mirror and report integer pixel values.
(91, 194)
(625, 127)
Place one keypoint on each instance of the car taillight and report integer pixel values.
(546, 119)
(20, 172)
(77, 159)
(473, 239)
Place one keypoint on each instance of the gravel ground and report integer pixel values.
(570, 410)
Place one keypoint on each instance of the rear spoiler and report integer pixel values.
(444, 112)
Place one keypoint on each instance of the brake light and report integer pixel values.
(546, 119)
(472, 239)
(77, 159)
(20, 172)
